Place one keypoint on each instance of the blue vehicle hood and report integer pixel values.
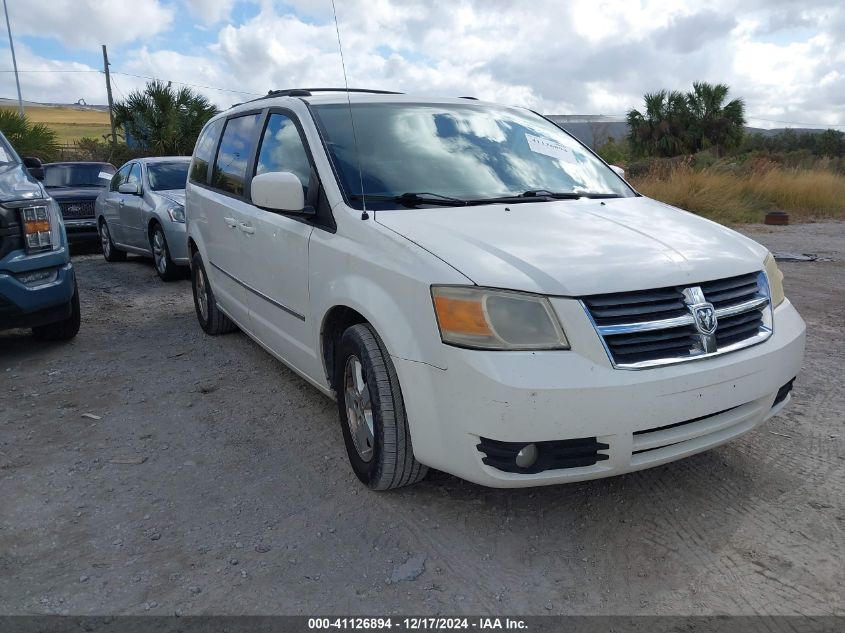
(17, 184)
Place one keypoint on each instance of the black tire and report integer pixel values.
(214, 322)
(110, 251)
(62, 330)
(391, 462)
(165, 267)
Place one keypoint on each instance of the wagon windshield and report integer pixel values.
(469, 152)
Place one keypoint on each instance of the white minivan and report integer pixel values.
(479, 291)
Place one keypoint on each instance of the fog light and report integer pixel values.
(527, 455)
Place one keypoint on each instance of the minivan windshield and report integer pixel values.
(77, 175)
(415, 154)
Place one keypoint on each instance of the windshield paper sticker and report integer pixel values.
(104, 175)
(550, 148)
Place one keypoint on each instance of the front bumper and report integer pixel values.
(81, 228)
(30, 306)
(552, 395)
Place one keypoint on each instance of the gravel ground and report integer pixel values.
(214, 481)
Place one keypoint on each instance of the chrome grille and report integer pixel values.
(74, 209)
(650, 328)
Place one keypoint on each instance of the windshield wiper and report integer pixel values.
(414, 199)
(567, 195)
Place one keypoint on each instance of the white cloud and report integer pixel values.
(86, 24)
(210, 11)
(587, 56)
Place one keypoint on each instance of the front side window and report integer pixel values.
(120, 177)
(204, 151)
(167, 176)
(282, 149)
(134, 174)
(467, 151)
(236, 147)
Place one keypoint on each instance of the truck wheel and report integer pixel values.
(211, 319)
(110, 251)
(62, 330)
(166, 269)
(372, 412)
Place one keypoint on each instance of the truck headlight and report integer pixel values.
(41, 226)
(775, 279)
(484, 318)
(176, 213)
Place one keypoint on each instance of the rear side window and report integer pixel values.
(236, 148)
(282, 149)
(204, 151)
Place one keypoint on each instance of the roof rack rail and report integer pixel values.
(306, 92)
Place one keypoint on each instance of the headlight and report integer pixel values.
(176, 213)
(42, 226)
(775, 279)
(496, 319)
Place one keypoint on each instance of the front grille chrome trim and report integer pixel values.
(760, 302)
(665, 324)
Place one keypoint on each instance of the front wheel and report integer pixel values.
(62, 330)
(211, 319)
(165, 267)
(372, 412)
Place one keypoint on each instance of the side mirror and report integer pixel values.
(34, 166)
(279, 191)
(619, 171)
(130, 188)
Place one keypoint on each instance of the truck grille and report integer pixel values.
(75, 209)
(650, 328)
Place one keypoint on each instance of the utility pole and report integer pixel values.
(108, 92)
(14, 59)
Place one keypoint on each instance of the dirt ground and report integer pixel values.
(214, 481)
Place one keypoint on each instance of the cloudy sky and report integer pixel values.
(785, 58)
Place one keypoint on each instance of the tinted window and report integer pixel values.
(80, 175)
(459, 150)
(204, 151)
(236, 146)
(120, 177)
(282, 150)
(163, 176)
(135, 174)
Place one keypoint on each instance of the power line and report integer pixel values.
(185, 83)
(52, 70)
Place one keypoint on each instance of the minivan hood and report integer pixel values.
(578, 247)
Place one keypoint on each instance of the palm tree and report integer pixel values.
(163, 120)
(714, 123)
(662, 129)
(29, 139)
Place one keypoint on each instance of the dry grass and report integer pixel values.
(70, 123)
(732, 197)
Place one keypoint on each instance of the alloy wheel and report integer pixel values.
(359, 408)
(159, 251)
(202, 293)
(105, 239)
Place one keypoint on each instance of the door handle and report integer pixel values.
(247, 228)
(230, 222)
